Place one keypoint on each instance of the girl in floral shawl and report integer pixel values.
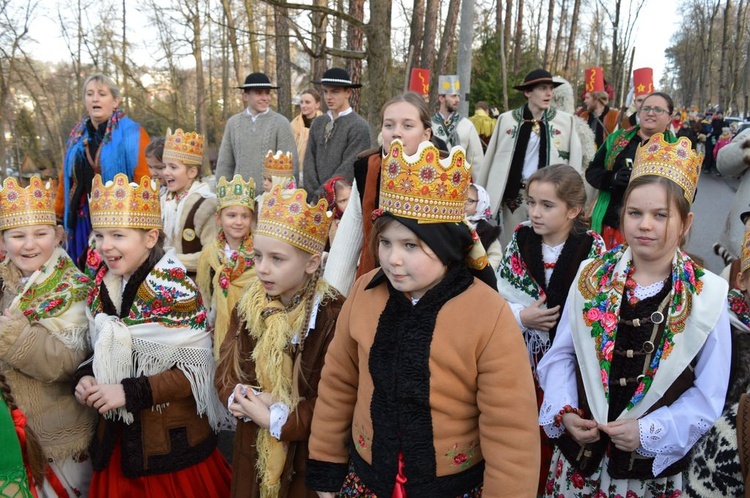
(43, 333)
(226, 265)
(541, 261)
(639, 367)
(151, 374)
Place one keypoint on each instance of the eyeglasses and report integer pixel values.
(656, 110)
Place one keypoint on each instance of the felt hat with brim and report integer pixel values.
(257, 81)
(337, 77)
(537, 77)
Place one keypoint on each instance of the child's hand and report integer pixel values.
(250, 406)
(624, 434)
(325, 494)
(584, 431)
(535, 317)
(266, 399)
(83, 384)
(105, 397)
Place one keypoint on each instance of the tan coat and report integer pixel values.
(301, 134)
(206, 229)
(39, 365)
(481, 394)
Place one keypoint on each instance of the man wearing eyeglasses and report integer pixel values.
(337, 137)
(609, 172)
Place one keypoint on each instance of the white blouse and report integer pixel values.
(668, 433)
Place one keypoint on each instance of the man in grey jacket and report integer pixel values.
(335, 137)
(249, 135)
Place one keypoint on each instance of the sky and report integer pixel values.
(658, 20)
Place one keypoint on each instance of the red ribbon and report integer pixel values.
(19, 420)
(399, 490)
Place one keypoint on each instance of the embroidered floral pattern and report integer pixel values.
(241, 260)
(602, 288)
(738, 306)
(63, 286)
(461, 458)
(354, 487)
(167, 296)
(361, 438)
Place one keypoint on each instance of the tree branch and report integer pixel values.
(319, 8)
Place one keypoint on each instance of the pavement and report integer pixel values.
(712, 204)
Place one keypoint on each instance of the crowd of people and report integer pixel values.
(464, 308)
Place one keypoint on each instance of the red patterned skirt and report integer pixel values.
(211, 477)
(354, 487)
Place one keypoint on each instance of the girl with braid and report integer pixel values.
(272, 355)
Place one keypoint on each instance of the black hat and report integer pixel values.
(257, 81)
(337, 77)
(537, 77)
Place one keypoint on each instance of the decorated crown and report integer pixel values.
(184, 147)
(677, 162)
(424, 187)
(122, 204)
(286, 215)
(279, 164)
(238, 192)
(745, 258)
(26, 206)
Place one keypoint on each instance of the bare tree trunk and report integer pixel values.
(338, 28)
(225, 70)
(573, 34)
(430, 31)
(723, 94)
(710, 80)
(124, 62)
(739, 42)
(319, 27)
(378, 33)
(416, 35)
(231, 31)
(548, 38)
(283, 62)
(446, 47)
(355, 42)
(252, 37)
(558, 39)
(518, 43)
(200, 81)
(508, 22)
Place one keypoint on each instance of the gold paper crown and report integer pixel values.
(745, 258)
(121, 204)
(424, 187)
(279, 164)
(286, 215)
(184, 147)
(26, 206)
(677, 162)
(238, 192)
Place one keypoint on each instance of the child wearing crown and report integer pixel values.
(278, 169)
(273, 353)
(188, 207)
(151, 373)
(426, 389)
(43, 331)
(639, 367)
(226, 264)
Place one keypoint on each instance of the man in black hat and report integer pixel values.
(337, 136)
(249, 135)
(525, 139)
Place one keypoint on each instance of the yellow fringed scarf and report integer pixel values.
(213, 258)
(274, 326)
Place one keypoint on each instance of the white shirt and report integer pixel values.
(255, 116)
